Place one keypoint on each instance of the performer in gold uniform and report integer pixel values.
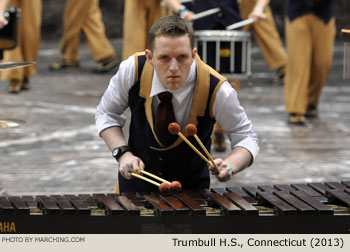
(85, 16)
(139, 16)
(310, 33)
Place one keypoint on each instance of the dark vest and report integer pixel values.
(229, 14)
(321, 8)
(178, 161)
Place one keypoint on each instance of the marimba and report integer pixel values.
(294, 208)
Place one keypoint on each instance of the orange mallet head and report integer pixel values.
(176, 186)
(191, 129)
(164, 187)
(174, 128)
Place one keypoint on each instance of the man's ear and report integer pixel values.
(194, 52)
(149, 57)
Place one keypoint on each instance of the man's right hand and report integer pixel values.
(3, 22)
(129, 163)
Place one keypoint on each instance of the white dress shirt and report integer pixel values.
(226, 108)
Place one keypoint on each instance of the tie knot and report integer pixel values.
(165, 96)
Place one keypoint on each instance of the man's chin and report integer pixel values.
(173, 85)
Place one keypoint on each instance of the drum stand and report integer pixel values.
(345, 34)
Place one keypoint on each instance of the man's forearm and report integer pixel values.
(239, 159)
(262, 3)
(3, 5)
(113, 137)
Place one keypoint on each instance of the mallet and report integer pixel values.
(191, 130)
(175, 185)
(174, 129)
(163, 187)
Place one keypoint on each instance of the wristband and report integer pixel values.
(258, 9)
(182, 10)
(229, 166)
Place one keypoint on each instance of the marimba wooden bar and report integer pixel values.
(294, 208)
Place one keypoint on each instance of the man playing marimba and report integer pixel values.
(170, 74)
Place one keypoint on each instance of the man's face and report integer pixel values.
(172, 58)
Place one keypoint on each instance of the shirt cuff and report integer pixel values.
(104, 122)
(250, 145)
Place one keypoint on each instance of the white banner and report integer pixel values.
(175, 242)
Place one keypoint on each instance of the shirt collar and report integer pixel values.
(180, 94)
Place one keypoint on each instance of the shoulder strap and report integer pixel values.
(140, 60)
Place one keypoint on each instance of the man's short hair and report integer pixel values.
(173, 26)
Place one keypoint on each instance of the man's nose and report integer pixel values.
(173, 65)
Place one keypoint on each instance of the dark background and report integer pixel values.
(113, 16)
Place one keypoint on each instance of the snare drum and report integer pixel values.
(228, 52)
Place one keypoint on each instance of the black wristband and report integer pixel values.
(119, 151)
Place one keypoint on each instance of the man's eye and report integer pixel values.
(182, 56)
(164, 57)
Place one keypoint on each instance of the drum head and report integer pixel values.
(222, 35)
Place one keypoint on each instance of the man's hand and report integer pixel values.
(225, 171)
(258, 11)
(129, 163)
(179, 9)
(257, 15)
(239, 159)
(3, 21)
(187, 16)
